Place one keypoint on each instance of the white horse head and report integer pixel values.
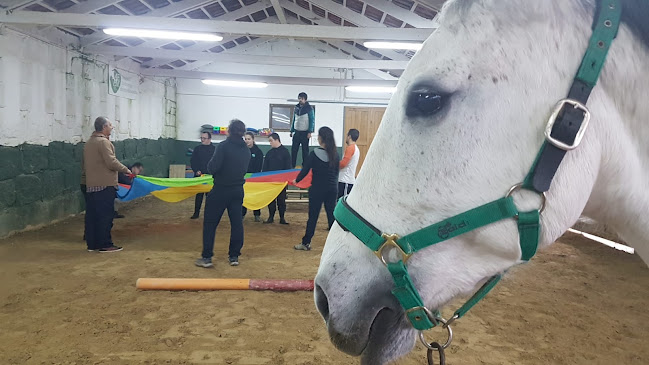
(499, 67)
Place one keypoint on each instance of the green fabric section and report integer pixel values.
(529, 227)
(347, 219)
(178, 182)
(461, 223)
(600, 41)
(407, 295)
(481, 293)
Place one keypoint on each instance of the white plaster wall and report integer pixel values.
(200, 104)
(49, 93)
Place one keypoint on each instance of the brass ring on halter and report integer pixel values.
(445, 325)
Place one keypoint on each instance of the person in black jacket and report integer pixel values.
(278, 158)
(324, 183)
(255, 165)
(228, 166)
(200, 157)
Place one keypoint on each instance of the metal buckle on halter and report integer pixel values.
(391, 242)
(436, 320)
(553, 118)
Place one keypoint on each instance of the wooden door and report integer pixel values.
(367, 121)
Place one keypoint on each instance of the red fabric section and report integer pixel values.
(287, 176)
(281, 285)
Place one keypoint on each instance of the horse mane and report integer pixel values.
(635, 13)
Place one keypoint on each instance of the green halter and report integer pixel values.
(564, 131)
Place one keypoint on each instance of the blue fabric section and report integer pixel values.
(139, 189)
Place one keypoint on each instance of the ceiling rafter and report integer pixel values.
(223, 27)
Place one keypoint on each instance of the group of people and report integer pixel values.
(227, 162)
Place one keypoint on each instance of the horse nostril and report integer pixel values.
(321, 302)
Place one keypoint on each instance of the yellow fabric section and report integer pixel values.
(256, 194)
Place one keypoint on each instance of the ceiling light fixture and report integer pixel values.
(163, 34)
(393, 45)
(371, 89)
(249, 84)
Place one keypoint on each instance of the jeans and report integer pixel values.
(100, 211)
(316, 199)
(280, 203)
(218, 200)
(299, 138)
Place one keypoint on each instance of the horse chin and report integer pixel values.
(388, 339)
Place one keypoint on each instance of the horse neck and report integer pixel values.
(619, 197)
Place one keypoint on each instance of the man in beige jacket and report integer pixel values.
(100, 167)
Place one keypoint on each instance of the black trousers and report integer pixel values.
(198, 202)
(300, 138)
(244, 210)
(316, 199)
(344, 189)
(280, 203)
(218, 200)
(100, 211)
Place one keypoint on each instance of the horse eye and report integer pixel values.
(424, 103)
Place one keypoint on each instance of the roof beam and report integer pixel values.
(253, 59)
(198, 64)
(269, 79)
(279, 11)
(169, 10)
(202, 46)
(222, 27)
(348, 14)
(15, 4)
(407, 16)
(234, 15)
(342, 45)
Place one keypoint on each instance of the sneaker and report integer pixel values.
(93, 250)
(302, 247)
(195, 216)
(283, 221)
(269, 220)
(234, 261)
(203, 262)
(257, 218)
(112, 248)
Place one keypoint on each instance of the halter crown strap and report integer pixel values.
(568, 124)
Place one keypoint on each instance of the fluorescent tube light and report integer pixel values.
(255, 85)
(162, 34)
(393, 45)
(371, 89)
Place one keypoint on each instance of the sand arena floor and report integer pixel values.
(577, 302)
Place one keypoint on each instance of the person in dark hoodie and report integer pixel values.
(302, 126)
(200, 157)
(278, 158)
(255, 165)
(324, 162)
(228, 166)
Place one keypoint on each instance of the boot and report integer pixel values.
(195, 216)
(257, 218)
(281, 218)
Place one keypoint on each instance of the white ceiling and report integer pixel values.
(329, 33)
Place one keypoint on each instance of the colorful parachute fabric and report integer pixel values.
(259, 189)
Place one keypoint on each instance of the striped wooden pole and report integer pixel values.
(223, 284)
